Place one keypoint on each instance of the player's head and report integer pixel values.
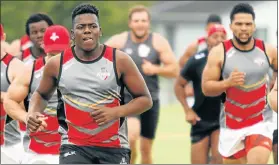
(139, 21)
(36, 26)
(216, 34)
(56, 39)
(86, 29)
(212, 20)
(243, 23)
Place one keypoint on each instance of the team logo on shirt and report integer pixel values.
(129, 51)
(259, 61)
(103, 74)
(143, 50)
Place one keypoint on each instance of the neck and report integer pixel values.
(89, 55)
(139, 40)
(37, 52)
(248, 46)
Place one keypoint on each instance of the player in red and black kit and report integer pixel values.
(35, 28)
(90, 78)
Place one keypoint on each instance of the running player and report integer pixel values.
(10, 139)
(200, 44)
(35, 28)
(40, 147)
(90, 78)
(148, 50)
(243, 64)
(204, 115)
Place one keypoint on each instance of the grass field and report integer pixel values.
(172, 145)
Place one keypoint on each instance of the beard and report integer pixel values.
(139, 36)
(242, 42)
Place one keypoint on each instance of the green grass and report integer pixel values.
(172, 144)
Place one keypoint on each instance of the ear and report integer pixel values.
(101, 32)
(72, 34)
(4, 37)
(231, 26)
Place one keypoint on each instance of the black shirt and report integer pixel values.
(207, 108)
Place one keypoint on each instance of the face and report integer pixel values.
(139, 24)
(37, 31)
(216, 38)
(243, 27)
(86, 31)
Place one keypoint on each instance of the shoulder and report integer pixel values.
(159, 42)
(117, 40)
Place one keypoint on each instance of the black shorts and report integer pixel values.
(71, 154)
(203, 129)
(149, 121)
(275, 137)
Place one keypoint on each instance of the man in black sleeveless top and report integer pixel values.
(148, 50)
(204, 115)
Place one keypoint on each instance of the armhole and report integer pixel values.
(223, 65)
(267, 56)
(31, 79)
(114, 67)
(60, 69)
(7, 71)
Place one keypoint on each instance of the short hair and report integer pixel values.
(84, 9)
(214, 18)
(37, 18)
(138, 8)
(242, 8)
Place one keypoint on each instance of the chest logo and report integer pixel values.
(143, 50)
(103, 74)
(129, 51)
(259, 61)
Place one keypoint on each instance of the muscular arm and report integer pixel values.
(18, 90)
(47, 86)
(181, 95)
(272, 97)
(190, 51)
(117, 41)
(211, 84)
(170, 67)
(271, 52)
(135, 83)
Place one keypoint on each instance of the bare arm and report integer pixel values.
(47, 86)
(271, 52)
(181, 95)
(170, 67)
(211, 86)
(16, 94)
(117, 41)
(272, 97)
(190, 51)
(136, 85)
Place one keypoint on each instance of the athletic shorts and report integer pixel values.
(236, 143)
(71, 154)
(149, 121)
(203, 129)
(12, 154)
(275, 137)
(34, 158)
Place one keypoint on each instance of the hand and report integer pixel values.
(192, 117)
(104, 115)
(236, 78)
(36, 122)
(148, 68)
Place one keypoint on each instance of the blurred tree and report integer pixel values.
(113, 14)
